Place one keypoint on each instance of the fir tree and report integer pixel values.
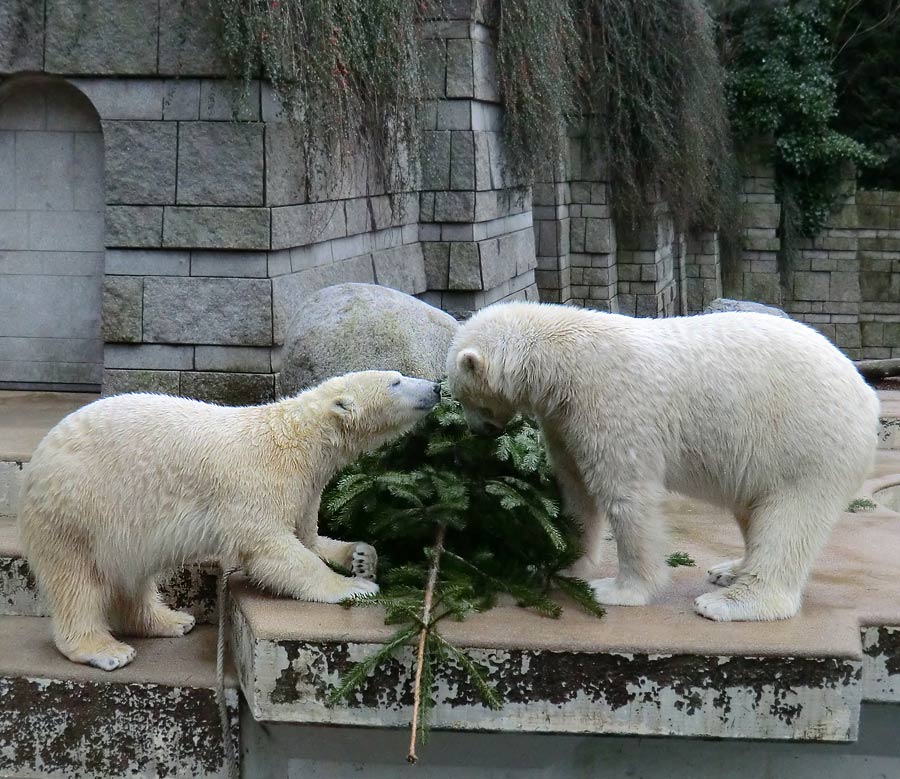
(441, 505)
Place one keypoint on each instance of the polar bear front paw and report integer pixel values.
(724, 574)
(611, 592)
(364, 561)
(357, 588)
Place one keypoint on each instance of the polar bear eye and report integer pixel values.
(395, 383)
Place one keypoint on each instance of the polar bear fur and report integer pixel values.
(134, 485)
(757, 414)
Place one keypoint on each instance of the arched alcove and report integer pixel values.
(51, 237)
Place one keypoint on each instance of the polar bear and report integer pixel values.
(755, 413)
(130, 486)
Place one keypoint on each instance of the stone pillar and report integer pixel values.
(475, 217)
(761, 215)
(648, 283)
(702, 271)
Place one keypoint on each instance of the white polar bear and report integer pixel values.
(755, 413)
(134, 485)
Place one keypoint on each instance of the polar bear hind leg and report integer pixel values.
(78, 598)
(784, 535)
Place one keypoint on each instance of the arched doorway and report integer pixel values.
(51, 238)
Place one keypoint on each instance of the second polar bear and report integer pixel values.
(134, 485)
(755, 413)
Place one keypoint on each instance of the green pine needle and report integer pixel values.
(580, 591)
(677, 559)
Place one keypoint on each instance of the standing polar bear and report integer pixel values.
(758, 414)
(131, 486)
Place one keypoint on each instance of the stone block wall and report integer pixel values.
(845, 281)
(213, 237)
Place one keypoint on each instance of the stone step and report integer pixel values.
(656, 670)
(191, 589)
(156, 717)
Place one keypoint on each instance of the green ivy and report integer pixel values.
(781, 86)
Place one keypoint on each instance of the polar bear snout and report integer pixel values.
(481, 422)
(420, 394)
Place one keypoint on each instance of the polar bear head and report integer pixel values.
(368, 408)
(486, 367)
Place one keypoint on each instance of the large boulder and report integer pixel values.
(727, 304)
(357, 327)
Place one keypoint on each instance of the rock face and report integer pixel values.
(355, 327)
(727, 304)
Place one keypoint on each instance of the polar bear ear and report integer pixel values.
(470, 361)
(343, 406)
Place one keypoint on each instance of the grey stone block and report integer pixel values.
(454, 115)
(229, 100)
(434, 67)
(401, 268)
(305, 224)
(285, 167)
(598, 236)
(487, 80)
(140, 161)
(188, 39)
(134, 225)
(465, 267)
(149, 357)
(101, 36)
(233, 359)
(220, 163)
(356, 212)
(132, 99)
(216, 228)
(462, 160)
(21, 36)
(208, 311)
(229, 264)
(498, 261)
(436, 257)
(811, 286)
(876, 287)
(460, 77)
(844, 287)
(454, 206)
(116, 382)
(278, 263)
(314, 255)
(181, 100)
(122, 309)
(143, 262)
(436, 162)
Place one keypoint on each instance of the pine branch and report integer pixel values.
(423, 636)
(579, 591)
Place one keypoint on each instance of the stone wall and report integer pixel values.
(213, 238)
(845, 282)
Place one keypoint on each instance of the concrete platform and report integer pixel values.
(155, 717)
(25, 418)
(656, 670)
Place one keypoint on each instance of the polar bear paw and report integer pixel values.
(724, 574)
(364, 561)
(107, 656)
(350, 589)
(170, 623)
(746, 604)
(611, 592)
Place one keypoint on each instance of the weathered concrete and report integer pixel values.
(155, 717)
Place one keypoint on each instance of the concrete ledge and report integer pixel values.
(655, 670)
(155, 717)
